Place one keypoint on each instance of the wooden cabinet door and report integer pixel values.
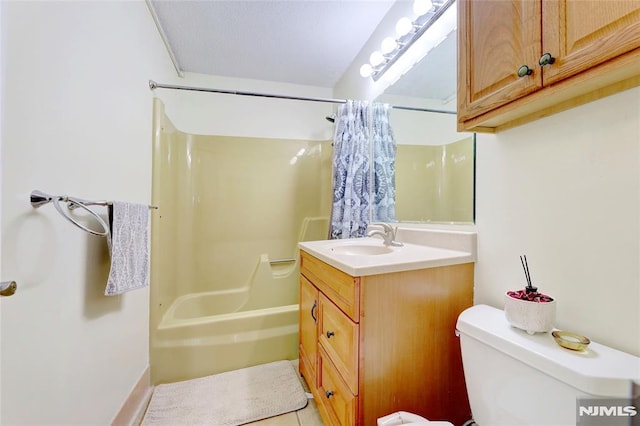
(495, 39)
(339, 403)
(339, 337)
(581, 34)
(308, 331)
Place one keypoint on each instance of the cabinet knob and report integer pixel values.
(329, 394)
(329, 334)
(524, 71)
(546, 59)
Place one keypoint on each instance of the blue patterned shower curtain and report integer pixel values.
(384, 165)
(352, 173)
(350, 209)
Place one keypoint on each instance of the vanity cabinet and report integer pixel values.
(373, 345)
(308, 328)
(519, 60)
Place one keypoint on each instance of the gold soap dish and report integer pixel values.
(570, 340)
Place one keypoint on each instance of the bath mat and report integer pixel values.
(232, 398)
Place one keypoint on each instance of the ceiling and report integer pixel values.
(308, 42)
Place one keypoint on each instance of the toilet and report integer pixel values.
(514, 378)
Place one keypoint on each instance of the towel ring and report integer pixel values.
(39, 198)
(71, 201)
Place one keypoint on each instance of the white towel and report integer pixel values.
(129, 248)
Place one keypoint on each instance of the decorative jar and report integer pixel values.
(532, 316)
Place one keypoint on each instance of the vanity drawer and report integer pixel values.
(338, 335)
(335, 395)
(341, 288)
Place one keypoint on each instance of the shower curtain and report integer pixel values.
(352, 173)
(350, 209)
(384, 161)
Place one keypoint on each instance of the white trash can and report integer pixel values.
(404, 418)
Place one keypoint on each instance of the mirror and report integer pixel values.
(435, 164)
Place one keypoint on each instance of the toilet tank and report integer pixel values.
(514, 378)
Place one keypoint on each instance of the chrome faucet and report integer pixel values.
(388, 234)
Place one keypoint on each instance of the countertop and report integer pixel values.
(406, 258)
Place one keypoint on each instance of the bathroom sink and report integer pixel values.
(361, 249)
(369, 256)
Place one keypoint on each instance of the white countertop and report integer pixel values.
(406, 258)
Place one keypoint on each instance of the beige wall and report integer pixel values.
(565, 190)
(76, 120)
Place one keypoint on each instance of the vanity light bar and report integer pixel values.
(408, 31)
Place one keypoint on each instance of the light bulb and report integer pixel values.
(366, 70)
(404, 26)
(389, 44)
(376, 58)
(420, 7)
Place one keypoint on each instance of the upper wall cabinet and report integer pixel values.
(519, 60)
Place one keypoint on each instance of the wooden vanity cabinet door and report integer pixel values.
(308, 331)
(338, 336)
(595, 45)
(495, 39)
(583, 34)
(337, 400)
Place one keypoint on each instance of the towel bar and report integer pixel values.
(275, 262)
(76, 201)
(7, 288)
(39, 198)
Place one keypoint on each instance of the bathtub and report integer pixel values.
(188, 346)
(224, 269)
(212, 332)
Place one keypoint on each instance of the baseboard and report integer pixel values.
(134, 407)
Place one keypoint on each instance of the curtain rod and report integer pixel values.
(154, 85)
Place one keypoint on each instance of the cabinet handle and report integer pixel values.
(329, 394)
(329, 334)
(313, 308)
(524, 71)
(546, 59)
